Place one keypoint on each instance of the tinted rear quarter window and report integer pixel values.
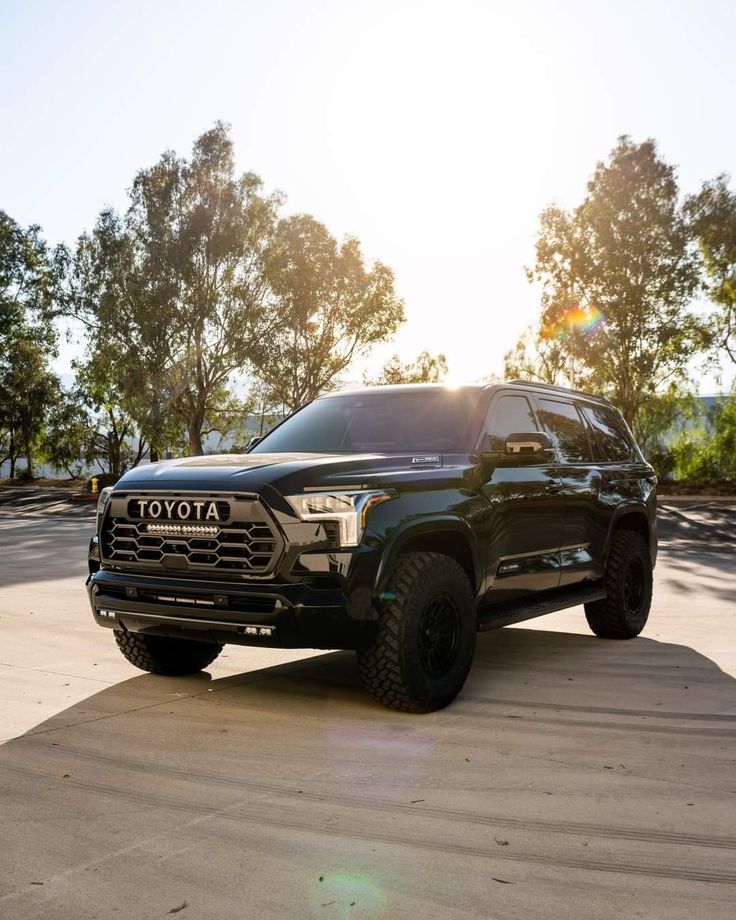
(611, 439)
(566, 428)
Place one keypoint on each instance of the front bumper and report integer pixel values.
(285, 615)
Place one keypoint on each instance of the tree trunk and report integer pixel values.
(153, 454)
(195, 437)
(11, 452)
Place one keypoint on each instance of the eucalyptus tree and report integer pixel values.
(426, 368)
(331, 309)
(618, 274)
(174, 292)
(27, 339)
(712, 214)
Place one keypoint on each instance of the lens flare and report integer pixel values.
(351, 895)
(398, 762)
(586, 320)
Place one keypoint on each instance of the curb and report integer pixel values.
(696, 499)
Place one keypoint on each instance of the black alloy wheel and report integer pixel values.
(634, 587)
(439, 630)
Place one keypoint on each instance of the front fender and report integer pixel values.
(426, 526)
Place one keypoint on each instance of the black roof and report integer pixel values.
(408, 388)
(553, 388)
(466, 387)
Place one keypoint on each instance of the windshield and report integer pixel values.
(381, 423)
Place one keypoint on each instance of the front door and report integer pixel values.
(526, 509)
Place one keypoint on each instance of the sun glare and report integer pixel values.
(441, 129)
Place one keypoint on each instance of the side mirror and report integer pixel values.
(531, 444)
(252, 443)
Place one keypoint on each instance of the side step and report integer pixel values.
(537, 605)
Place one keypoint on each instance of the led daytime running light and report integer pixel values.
(348, 509)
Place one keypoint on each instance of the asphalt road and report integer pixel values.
(575, 777)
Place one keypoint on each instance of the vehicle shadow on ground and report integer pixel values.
(167, 780)
(511, 667)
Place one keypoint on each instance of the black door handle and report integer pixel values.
(554, 488)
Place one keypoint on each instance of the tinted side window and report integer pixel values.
(511, 414)
(611, 439)
(562, 421)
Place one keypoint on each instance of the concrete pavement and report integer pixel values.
(574, 777)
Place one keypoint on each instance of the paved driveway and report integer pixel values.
(574, 777)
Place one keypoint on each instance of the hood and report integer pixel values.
(290, 473)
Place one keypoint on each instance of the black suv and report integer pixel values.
(396, 521)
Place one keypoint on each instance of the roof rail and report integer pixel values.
(557, 389)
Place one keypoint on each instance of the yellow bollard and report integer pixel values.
(94, 483)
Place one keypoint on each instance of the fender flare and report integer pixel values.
(626, 509)
(440, 523)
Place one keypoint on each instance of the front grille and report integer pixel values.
(245, 541)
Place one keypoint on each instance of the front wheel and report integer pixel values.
(161, 655)
(623, 613)
(424, 646)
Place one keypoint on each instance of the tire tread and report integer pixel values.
(606, 617)
(380, 665)
(160, 655)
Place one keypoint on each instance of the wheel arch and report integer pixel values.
(446, 534)
(634, 517)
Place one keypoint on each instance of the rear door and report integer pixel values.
(624, 478)
(526, 507)
(582, 538)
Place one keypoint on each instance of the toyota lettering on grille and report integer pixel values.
(175, 510)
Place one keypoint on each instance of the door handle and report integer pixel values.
(554, 488)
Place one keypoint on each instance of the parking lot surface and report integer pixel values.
(574, 777)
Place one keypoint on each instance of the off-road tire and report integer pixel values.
(623, 613)
(404, 668)
(161, 655)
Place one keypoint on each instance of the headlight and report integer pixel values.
(348, 509)
(102, 503)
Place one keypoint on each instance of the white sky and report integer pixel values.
(434, 132)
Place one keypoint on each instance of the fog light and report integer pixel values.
(264, 631)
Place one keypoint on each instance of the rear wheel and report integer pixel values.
(161, 655)
(623, 613)
(426, 635)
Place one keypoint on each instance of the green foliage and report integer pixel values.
(174, 293)
(27, 340)
(111, 428)
(712, 215)
(27, 279)
(68, 439)
(200, 280)
(674, 408)
(703, 455)
(27, 388)
(617, 275)
(330, 309)
(427, 368)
